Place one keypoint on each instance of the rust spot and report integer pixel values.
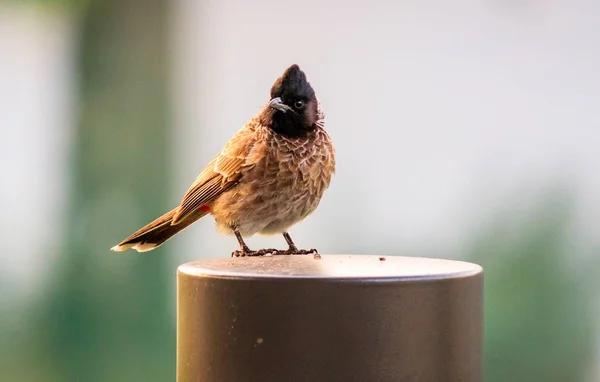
(382, 259)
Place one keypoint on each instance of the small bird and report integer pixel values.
(270, 175)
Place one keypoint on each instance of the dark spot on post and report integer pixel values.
(382, 259)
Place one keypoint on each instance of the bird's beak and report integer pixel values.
(277, 104)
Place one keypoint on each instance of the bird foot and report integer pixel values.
(273, 252)
(250, 253)
(296, 251)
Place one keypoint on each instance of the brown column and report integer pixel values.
(337, 318)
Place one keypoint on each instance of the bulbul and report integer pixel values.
(270, 175)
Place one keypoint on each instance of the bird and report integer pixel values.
(269, 176)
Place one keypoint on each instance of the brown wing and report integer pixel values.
(221, 174)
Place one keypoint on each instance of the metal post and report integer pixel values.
(333, 318)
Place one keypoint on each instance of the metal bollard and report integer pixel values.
(334, 318)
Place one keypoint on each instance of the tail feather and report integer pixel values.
(155, 233)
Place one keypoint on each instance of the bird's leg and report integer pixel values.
(290, 242)
(293, 250)
(245, 251)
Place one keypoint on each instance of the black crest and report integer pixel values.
(291, 85)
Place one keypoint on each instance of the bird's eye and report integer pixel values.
(299, 104)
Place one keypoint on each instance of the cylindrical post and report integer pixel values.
(333, 318)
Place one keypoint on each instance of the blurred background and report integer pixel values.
(467, 130)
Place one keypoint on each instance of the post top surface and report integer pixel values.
(357, 267)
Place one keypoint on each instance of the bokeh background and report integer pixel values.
(465, 129)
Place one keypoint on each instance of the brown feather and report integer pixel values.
(156, 232)
(221, 174)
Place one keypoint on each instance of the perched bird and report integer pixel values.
(270, 175)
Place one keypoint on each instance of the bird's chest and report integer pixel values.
(290, 175)
(286, 174)
(281, 184)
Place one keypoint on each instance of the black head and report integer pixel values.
(293, 106)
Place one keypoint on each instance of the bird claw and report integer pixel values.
(295, 251)
(250, 253)
(273, 252)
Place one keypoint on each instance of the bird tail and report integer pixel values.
(155, 233)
